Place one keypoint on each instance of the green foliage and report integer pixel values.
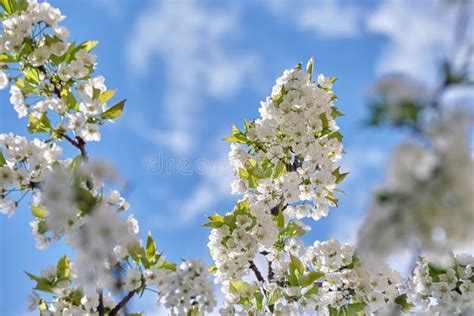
(114, 111)
(278, 99)
(62, 274)
(38, 125)
(25, 87)
(403, 303)
(2, 159)
(151, 255)
(13, 6)
(38, 211)
(215, 221)
(274, 296)
(355, 309)
(435, 271)
(32, 75)
(63, 268)
(106, 96)
(4, 58)
(339, 176)
(75, 163)
(237, 136)
(292, 230)
(407, 113)
(309, 68)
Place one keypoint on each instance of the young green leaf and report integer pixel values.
(150, 249)
(38, 125)
(38, 211)
(63, 268)
(309, 68)
(2, 159)
(114, 111)
(106, 96)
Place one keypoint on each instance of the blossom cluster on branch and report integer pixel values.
(52, 83)
(286, 168)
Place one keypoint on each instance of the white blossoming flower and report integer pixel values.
(4, 80)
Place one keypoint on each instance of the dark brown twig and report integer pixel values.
(121, 304)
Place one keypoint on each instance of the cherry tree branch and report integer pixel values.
(257, 272)
(122, 303)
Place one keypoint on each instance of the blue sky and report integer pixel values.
(189, 71)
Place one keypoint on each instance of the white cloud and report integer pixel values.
(213, 188)
(191, 39)
(215, 175)
(418, 34)
(327, 18)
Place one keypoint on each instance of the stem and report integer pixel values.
(100, 308)
(79, 143)
(122, 303)
(255, 270)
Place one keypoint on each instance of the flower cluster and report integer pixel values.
(348, 281)
(293, 149)
(23, 165)
(187, 289)
(54, 85)
(70, 204)
(429, 193)
(443, 291)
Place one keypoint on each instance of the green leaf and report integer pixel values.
(216, 218)
(25, 87)
(44, 286)
(32, 75)
(106, 96)
(75, 163)
(434, 270)
(167, 266)
(216, 221)
(38, 125)
(279, 170)
(335, 112)
(89, 45)
(85, 200)
(63, 268)
(212, 269)
(339, 176)
(292, 230)
(240, 287)
(402, 301)
(336, 135)
(280, 220)
(213, 224)
(237, 136)
(310, 278)
(38, 211)
(33, 277)
(114, 111)
(355, 309)
(150, 249)
(41, 283)
(313, 291)
(278, 99)
(274, 296)
(7, 6)
(297, 264)
(69, 99)
(2, 159)
(4, 58)
(309, 68)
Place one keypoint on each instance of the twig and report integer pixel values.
(255, 270)
(100, 308)
(121, 304)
